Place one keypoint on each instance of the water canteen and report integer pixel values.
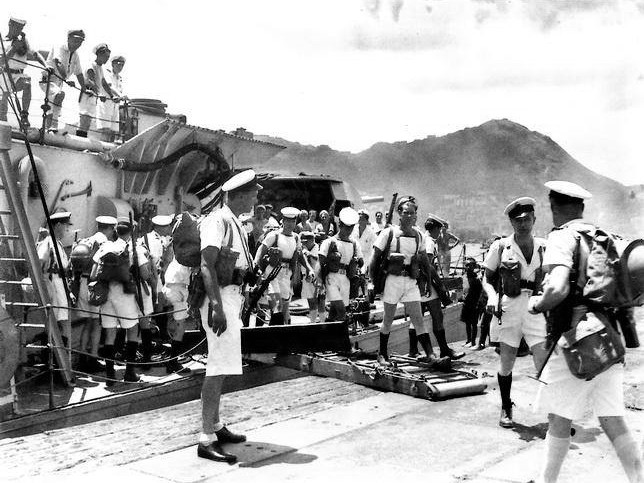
(186, 240)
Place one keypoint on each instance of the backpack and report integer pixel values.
(114, 267)
(609, 282)
(186, 240)
(82, 254)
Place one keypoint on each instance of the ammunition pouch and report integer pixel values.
(510, 272)
(414, 267)
(333, 262)
(98, 292)
(196, 291)
(129, 287)
(396, 265)
(238, 277)
(225, 265)
(274, 256)
(353, 269)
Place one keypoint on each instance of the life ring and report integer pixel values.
(9, 351)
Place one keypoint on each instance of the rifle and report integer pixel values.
(390, 214)
(256, 293)
(135, 272)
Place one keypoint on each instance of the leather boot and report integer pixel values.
(174, 365)
(413, 343)
(110, 373)
(383, 354)
(505, 387)
(445, 349)
(426, 344)
(130, 357)
(146, 348)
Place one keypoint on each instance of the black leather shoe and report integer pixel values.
(505, 420)
(215, 452)
(224, 435)
(451, 354)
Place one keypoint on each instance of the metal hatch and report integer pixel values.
(172, 148)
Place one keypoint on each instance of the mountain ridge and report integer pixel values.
(467, 176)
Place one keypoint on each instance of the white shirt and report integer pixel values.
(115, 81)
(215, 234)
(70, 62)
(431, 247)
(345, 248)
(288, 245)
(156, 246)
(13, 60)
(366, 241)
(409, 245)
(512, 252)
(45, 250)
(117, 247)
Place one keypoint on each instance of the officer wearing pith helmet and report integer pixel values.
(286, 248)
(513, 272)
(338, 255)
(225, 259)
(566, 397)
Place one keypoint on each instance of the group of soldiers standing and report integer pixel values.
(524, 277)
(117, 281)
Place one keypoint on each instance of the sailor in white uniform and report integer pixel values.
(289, 246)
(224, 253)
(516, 261)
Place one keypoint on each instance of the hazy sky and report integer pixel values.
(349, 73)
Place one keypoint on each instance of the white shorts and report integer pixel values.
(569, 397)
(177, 295)
(55, 86)
(122, 308)
(224, 352)
(83, 300)
(516, 322)
(108, 113)
(87, 105)
(148, 306)
(400, 289)
(282, 284)
(56, 291)
(337, 288)
(309, 291)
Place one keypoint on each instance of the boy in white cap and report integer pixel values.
(336, 253)
(91, 330)
(224, 244)
(513, 272)
(17, 53)
(288, 244)
(97, 90)
(566, 397)
(62, 63)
